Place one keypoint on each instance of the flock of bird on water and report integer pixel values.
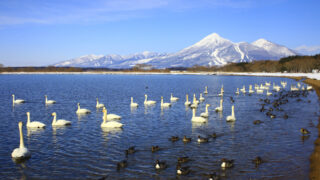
(112, 121)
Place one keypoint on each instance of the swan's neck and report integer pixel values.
(145, 98)
(187, 98)
(13, 99)
(194, 113)
(161, 101)
(171, 95)
(207, 109)
(21, 136)
(54, 119)
(194, 98)
(46, 99)
(78, 106)
(104, 116)
(232, 113)
(28, 118)
(200, 95)
(131, 100)
(97, 102)
(220, 103)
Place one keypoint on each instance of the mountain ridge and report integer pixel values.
(209, 51)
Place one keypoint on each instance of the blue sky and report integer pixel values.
(40, 33)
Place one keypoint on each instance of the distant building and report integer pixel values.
(143, 67)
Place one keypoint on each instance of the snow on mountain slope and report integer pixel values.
(211, 50)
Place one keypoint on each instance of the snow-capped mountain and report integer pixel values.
(211, 50)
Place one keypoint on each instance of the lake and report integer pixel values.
(86, 151)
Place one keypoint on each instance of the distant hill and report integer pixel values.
(211, 50)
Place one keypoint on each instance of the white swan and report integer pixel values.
(146, 102)
(133, 104)
(220, 108)
(112, 116)
(17, 101)
(222, 90)
(243, 90)
(99, 105)
(237, 92)
(109, 124)
(205, 114)
(259, 91)
(82, 110)
(164, 104)
(232, 117)
(34, 124)
(206, 90)
(309, 87)
(60, 122)
(250, 89)
(22, 152)
(187, 103)
(49, 101)
(195, 99)
(201, 98)
(269, 93)
(173, 98)
(197, 118)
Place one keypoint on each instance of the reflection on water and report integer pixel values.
(86, 151)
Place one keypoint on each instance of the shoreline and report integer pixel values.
(312, 79)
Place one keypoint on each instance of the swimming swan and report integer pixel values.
(206, 90)
(109, 124)
(173, 98)
(132, 104)
(201, 98)
(34, 124)
(22, 152)
(17, 101)
(197, 118)
(99, 105)
(82, 111)
(205, 114)
(146, 102)
(269, 93)
(60, 122)
(49, 101)
(232, 117)
(237, 92)
(112, 116)
(220, 108)
(164, 104)
(187, 103)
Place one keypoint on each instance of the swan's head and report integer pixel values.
(97, 99)
(20, 124)
(45, 95)
(78, 104)
(161, 97)
(12, 95)
(207, 105)
(54, 114)
(104, 110)
(28, 113)
(145, 95)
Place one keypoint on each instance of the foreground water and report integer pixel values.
(84, 150)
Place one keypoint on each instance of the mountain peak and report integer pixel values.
(261, 42)
(212, 40)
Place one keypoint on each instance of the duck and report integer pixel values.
(82, 110)
(130, 150)
(146, 102)
(187, 103)
(213, 176)
(49, 101)
(160, 165)
(220, 108)
(99, 105)
(109, 124)
(232, 117)
(197, 118)
(34, 124)
(21, 153)
(112, 116)
(205, 114)
(122, 164)
(304, 131)
(257, 160)
(201, 98)
(202, 139)
(60, 122)
(205, 90)
(17, 101)
(174, 138)
(155, 148)
(172, 99)
(164, 104)
(257, 122)
(185, 139)
(133, 104)
(225, 163)
(182, 170)
(183, 159)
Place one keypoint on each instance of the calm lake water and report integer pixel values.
(85, 151)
